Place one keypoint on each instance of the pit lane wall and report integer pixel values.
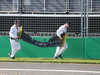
(88, 48)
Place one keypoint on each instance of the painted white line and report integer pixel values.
(50, 70)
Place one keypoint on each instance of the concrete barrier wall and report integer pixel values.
(77, 48)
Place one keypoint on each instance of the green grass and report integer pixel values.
(50, 60)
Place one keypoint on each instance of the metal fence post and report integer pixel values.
(81, 18)
(20, 6)
(44, 6)
(84, 18)
(87, 21)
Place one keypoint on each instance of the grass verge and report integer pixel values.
(50, 60)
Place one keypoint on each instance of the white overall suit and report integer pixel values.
(15, 45)
(60, 49)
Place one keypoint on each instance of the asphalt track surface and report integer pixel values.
(21, 68)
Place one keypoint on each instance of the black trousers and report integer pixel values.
(55, 38)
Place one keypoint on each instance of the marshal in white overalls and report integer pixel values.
(61, 49)
(15, 45)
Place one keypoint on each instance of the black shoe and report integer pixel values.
(9, 54)
(12, 57)
(55, 58)
(60, 56)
